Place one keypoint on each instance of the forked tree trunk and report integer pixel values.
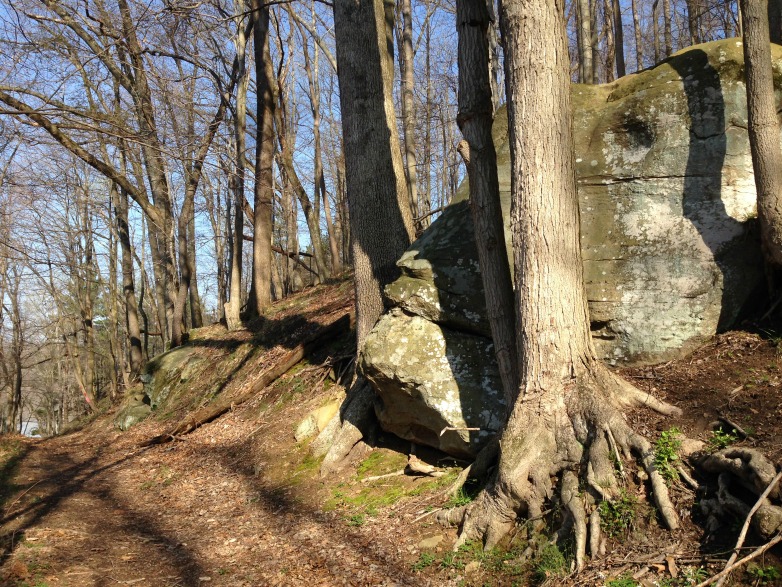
(569, 408)
(763, 128)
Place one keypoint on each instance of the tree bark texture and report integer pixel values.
(569, 405)
(475, 118)
(408, 104)
(380, 218)
(584, 16)
(639, 52)
(763, 128)
(263, 204)
(619, 40)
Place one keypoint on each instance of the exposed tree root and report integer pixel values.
(755, 474)
(568, 441)
(352, 424)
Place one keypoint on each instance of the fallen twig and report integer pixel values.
(21, 495)
(728, 570)
(693, 484)
(745, 527)
(422, 516)
(376, 477)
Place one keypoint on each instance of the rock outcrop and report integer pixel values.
(670, 252)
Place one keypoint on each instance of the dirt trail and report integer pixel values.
(239, 503)
(91, 509)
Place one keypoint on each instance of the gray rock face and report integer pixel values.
(161, 376)
(667, 206)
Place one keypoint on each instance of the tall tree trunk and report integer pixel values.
(476, 115)
(426, 204)
(610, 51)
(763, 128)
(263, 205)
(236, 182)
(196, 310)
(693, 21)
(408, 104)
(584, 16)
(312, 71)
(667, 27)
(619, 39)
(381, 223)
(656, 31)
(380, 216)
(135, 356)
(568, 404)
(88, 302)
(594, 41)
(639, 53)
(775, 21)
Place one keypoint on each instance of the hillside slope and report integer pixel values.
(239, 502)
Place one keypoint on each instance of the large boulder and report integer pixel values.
(670, 251)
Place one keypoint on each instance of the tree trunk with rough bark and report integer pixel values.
(693, 21)
(584, 16)
(236, 182)
(619, 39)
(381, 223)
(263, 204)
(763, 128)
(135, 356)
(639, 53)
(667, 28)
(408, 104)
(475, 118)
(567, 424)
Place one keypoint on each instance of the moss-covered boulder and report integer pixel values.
(164, 376)
(669, 246)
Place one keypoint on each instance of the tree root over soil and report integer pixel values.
(572, 439)
(742, 471)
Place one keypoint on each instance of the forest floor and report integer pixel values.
(239, 503)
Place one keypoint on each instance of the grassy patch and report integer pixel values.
(622, 582)
(380, 462)
(763, 575)
(666, 454)
(12, 451)
(722, 438)
(618, 516)
(549, 563)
